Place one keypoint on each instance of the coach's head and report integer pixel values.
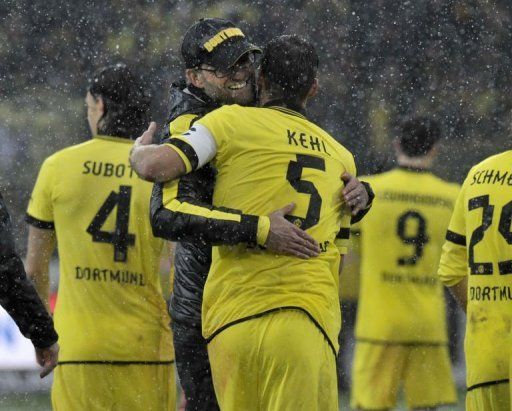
(288, 71)
(220, 60)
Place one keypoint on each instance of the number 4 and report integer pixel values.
(120, 238)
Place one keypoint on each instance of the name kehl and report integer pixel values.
(492, 177)
(310, 142)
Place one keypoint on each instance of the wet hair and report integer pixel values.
(126, 101)
(289, 65)
(419, 135)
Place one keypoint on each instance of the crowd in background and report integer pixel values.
(380, 61)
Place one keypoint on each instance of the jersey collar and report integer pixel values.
(288, 107)
(415, 169)
(116, 139)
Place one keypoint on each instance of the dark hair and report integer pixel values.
(419, 135)
(289, 64)
(126, 102)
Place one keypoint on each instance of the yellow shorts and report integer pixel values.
(280, 361)
(98, 387)
(379, 370)
(489, 398)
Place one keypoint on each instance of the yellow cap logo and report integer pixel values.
(222, 36)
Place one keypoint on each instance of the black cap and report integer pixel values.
(216, 42)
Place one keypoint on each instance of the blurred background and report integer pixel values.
(380, 62)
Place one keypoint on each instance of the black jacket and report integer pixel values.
(17, 294)
(195, 233)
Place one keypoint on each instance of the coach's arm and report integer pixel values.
(20, 300)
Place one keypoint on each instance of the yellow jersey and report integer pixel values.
(110, 306)
(267, 157)
(478, 245)
(400, 300)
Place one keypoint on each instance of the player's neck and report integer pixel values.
(421, 163)
(267, 98)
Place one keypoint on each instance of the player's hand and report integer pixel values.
(47, 358)
(286, 238)
(136, 156)
(354, 193)
(147, 137)
(183, 402)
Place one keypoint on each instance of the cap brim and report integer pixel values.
(231, 51)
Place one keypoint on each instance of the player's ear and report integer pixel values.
(313, 89)
(434, 150)
(396, 146)
(193, 77)
(261, 82)
(100, 104)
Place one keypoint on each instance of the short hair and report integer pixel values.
(126, 102)
(419, 135)
(289, 64)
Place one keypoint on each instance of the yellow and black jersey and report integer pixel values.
(401, 300)
(478, 246)
(110, 306)
(266, 158)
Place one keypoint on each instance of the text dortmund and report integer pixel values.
(109, 275)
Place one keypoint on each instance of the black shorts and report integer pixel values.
(194, 367)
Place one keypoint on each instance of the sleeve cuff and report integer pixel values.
(45, 341)
(450, 280)
(45, 225)
(263, 230)
(188, 164)
(371, 194)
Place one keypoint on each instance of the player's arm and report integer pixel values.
(41, 244)
(453, 266)
(349, 281)
(41, 235)
(342, 259)
(187, 219)
(156, 162)
(460, 293)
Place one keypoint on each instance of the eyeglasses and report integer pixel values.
(246, 62)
